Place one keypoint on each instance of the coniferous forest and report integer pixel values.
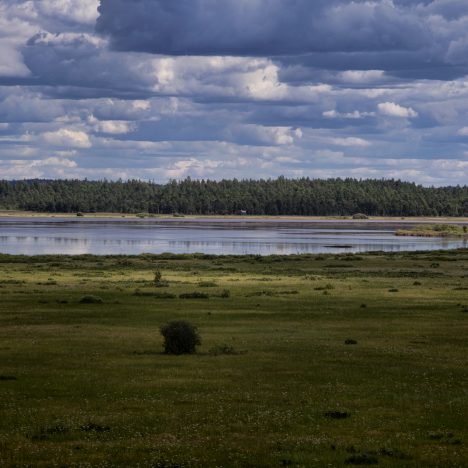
(313, 197)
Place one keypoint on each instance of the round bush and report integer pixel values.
(360, 216)
(180, 337)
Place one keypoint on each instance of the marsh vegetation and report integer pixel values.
(435, 230)
(311, 360)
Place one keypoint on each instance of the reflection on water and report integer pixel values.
(119, 236)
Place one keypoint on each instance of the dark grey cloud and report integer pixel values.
(257, 27)
(408, 39)
(76, 65)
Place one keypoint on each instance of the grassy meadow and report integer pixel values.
(306, 361)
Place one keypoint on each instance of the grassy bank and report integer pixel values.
(273, 383)
(409, 219)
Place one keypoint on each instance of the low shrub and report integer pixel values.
(324, 288)
(90, 299)
(336, 414)
(180, 337)
(157, 277)
(194, 295)
(362, 459)
(93, 427)
(207, 284)
(156, 295)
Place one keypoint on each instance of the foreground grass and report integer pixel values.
(86, 384)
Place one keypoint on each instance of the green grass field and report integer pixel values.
(88, 385)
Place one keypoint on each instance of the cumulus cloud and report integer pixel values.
(401, 38)
(361, 76)
(82, 11)
(259, 135)
(395, 110)
(67, 137)
(115, 127)
(333, 114)
(257, 27)
(350, 141)
(12, 61)
(37, 168)
(26, 106)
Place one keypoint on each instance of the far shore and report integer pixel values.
(410, 219)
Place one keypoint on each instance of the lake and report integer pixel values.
(103, 236)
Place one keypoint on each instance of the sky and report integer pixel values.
(169, 89)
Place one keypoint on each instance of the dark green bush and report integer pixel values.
(337, 414)
(207, 284)
(225, 293)
(194, 295)
(93, 427)
(180, 337)
(91, 300)
(157, 277)
(156, 295)
(350, 342)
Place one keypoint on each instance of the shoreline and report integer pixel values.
(107, 215)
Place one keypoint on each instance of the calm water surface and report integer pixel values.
(101, 236)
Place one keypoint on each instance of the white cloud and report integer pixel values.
(200, 168)
(52, 161)
(67, 137)
(140, 104)
(361, 76)
(81, 11)
(36, 168)
(114, 127)
(463, 131)
(264, 84)
(350, 141)
(11, 63)
(15, 29)
(333, 114)
(395, 110)
(261, 135)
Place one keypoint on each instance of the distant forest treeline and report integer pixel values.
(262, 197)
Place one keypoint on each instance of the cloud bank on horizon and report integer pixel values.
(159, 89)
